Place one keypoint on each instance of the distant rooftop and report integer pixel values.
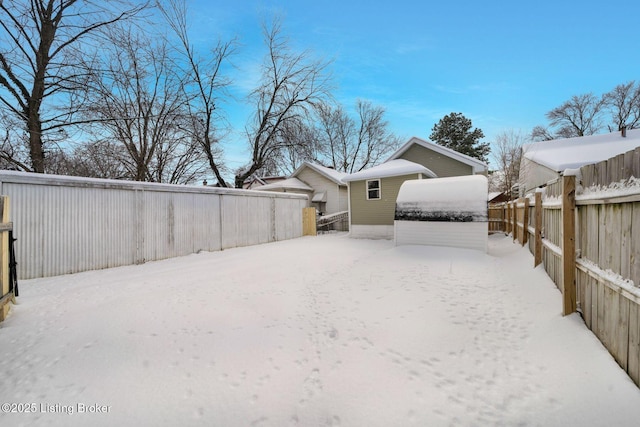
(570, 153)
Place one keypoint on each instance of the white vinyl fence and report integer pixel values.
(68, 224)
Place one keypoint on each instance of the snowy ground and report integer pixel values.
(318, 331)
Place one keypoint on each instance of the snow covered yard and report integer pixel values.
(317, 331)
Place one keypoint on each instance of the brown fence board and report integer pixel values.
(610, 311)
(601, 326)
(634, 261)
(591, 249)
(613, 234)
(584, 296)
(601, 171)
(626, 215)
(595, 318)
(622, 331)
(633, 360)
(603, 259)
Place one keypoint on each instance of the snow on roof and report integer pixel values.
(494, 194)
(478, 165)
(286, 184)
(391, 168)
(561, 154)
(332, 174)
(458, 190)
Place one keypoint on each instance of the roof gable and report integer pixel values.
(328, 173)
(477, 165)
(390, 168)
(287, 184)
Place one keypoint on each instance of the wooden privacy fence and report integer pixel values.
(587, 237)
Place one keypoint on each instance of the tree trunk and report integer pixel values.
(36, 150)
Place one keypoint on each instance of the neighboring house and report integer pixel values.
(498, 197)
(329, 191)
(442, 161)
(372, 217)
(547, 160)
(289, 185)
(324, 187)
(253, 182)
(372, 196)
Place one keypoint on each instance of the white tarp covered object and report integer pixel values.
(443, 212)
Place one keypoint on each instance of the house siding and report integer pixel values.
(321, 184)
(343, 199)
(376, 212)
(442, 166)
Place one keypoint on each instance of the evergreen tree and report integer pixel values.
(455, 131)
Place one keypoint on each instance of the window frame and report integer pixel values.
(378, 189)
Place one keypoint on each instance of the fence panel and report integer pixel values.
(497, 218)
(607, 254)
(68, 224)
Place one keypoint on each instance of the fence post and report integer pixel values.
(507, 219)
(538, 226)
(525, 222)
(568, 245)
(5, 297)
(514, 219)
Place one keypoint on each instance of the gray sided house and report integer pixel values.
(329, 191)
(442, 161)
(323, 186)
(373, 193)
(289, 185)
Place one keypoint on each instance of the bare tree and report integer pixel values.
(350, 145)
(205, 82)
(141, 103)
(41, 40)
(291, 84)
(507, 153)
(579, 116)
(541, 133)
(98, 159)
(337, 132)
(303, 146)
(13, 150)
(623, 102)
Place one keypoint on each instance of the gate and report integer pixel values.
(309, 221)
(8, 275)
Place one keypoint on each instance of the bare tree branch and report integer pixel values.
(291, 85)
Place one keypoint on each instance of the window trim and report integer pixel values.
(378, 189)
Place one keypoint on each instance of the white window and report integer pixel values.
(373, 189)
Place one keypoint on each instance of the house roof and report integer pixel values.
(286, 184)
(497, 195)
(390, 168)
(477, 165)
(328, 173)
(570, 153)
(260, 181)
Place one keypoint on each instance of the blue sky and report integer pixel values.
(503, 64)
